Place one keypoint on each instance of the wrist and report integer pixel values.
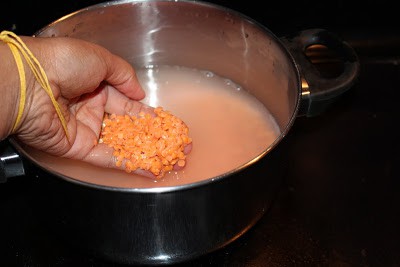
(16, 81)
(9, 91)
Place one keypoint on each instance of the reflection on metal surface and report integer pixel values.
(151, 89)
(11, 164)
(305, 98)
(305, 88)
(326, 60)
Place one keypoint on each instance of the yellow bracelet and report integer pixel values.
(18, 47)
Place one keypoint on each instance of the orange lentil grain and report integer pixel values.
(152, 143)
(181, 163)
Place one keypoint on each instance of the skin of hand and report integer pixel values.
(87, 81)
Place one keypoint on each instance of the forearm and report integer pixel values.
(9, 91)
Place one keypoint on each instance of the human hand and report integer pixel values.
(87, 81)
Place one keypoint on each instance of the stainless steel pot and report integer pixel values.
(173, 224)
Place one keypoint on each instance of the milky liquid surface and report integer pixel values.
(229, 128)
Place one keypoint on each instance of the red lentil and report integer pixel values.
(152, 143)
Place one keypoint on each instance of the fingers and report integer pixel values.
(123, 78)
(102, 156)
(186, 151)
(118, 103)
(121, 75)
(78, 67)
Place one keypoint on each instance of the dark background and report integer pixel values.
(340, 200)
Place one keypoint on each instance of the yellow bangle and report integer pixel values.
(18, 47)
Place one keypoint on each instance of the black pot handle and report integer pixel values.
(11, 164)
(320, 92)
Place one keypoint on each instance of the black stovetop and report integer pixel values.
(340, 201)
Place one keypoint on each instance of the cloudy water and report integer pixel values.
(229, 127)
